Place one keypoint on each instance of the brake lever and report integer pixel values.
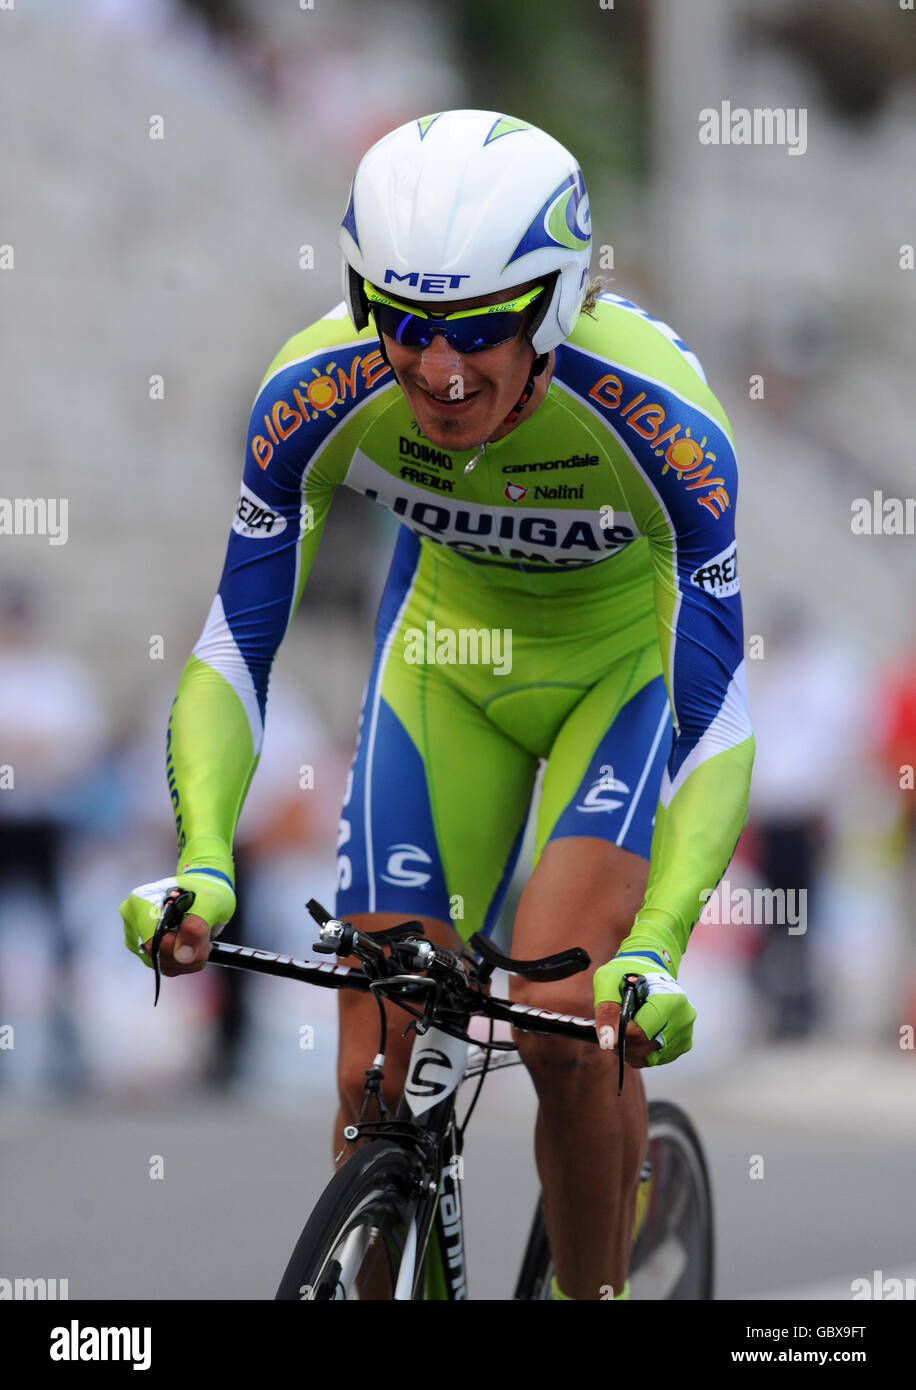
(635, 994)
(175, 904)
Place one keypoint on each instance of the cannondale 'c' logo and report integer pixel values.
(564, 220)
(398, 870)
(573, 208)
(583, 217)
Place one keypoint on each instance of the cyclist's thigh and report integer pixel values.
(595, 823)
(358, 1015)
(437, 798)
(583, 892)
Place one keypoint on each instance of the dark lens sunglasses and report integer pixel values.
(468, 330)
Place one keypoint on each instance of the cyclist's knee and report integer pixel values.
(555, 1061)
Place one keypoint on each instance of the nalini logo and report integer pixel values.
(398, 873)
(515, 492)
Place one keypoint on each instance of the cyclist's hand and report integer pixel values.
(215, 904)
(607, 1024)
(662, 1028)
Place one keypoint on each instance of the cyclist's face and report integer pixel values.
(460, 399)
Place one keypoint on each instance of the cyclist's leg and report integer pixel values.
(433, 814)
(586, 887)
(589, 1144)
(359, 1023)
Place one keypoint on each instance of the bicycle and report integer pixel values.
(389, 1223)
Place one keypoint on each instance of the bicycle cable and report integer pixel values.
(483, 1073)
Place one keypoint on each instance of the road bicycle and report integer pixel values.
(389, 1223)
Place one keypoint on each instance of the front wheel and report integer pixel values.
(673, 1250)
(360, 1241)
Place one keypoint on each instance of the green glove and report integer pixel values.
(667, 1015)
(206, 869)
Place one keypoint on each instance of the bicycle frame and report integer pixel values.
(425, 1128)
(425, 1120)
(434, 1074)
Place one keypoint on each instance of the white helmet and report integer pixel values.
(465, 203)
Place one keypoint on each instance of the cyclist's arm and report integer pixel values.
(217, 718)
(702, 806)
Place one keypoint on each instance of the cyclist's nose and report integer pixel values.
(439, 363)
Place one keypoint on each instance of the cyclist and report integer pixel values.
(563, 590)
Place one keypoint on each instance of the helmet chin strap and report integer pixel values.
(537, 368)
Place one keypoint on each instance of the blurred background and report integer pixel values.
(174, 173)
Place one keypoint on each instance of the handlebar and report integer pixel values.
(454, 984)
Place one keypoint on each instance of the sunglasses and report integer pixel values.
(468, 330)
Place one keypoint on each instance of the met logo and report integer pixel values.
(425, 281)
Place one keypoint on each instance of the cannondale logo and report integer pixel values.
(600, 795)
(563, 220)
(397, 870)
(582, 215)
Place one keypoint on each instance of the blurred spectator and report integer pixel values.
(807, 716)
(52, 734)
(895, 749)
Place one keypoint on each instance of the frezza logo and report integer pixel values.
(515, 492)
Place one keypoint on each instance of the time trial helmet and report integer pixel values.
(463, 204)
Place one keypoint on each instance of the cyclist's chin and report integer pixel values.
(459, 424)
